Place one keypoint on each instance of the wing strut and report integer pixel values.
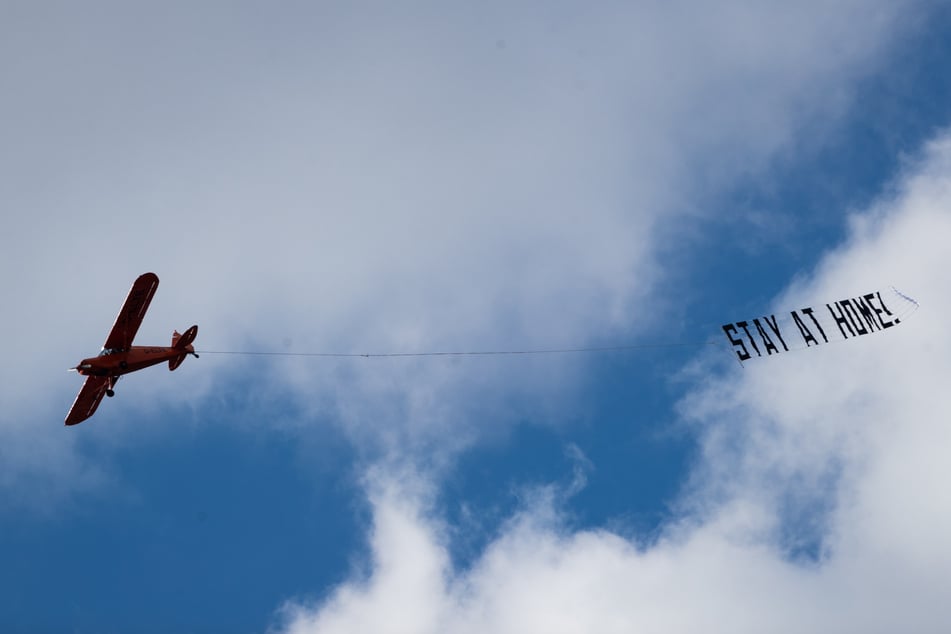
(88, 399)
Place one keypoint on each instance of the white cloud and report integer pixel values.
(853, 437)
(357, 178)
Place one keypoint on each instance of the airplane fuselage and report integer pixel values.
(123, 362)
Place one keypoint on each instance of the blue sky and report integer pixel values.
(359, 177)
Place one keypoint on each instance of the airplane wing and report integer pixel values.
(88, 399)
(132, 312)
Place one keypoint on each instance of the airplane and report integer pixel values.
(120, 357)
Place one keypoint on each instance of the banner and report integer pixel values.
(815, 326)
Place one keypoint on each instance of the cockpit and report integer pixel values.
(108, 351)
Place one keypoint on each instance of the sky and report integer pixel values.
(369, 177)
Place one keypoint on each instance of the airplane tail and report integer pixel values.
(183, 342)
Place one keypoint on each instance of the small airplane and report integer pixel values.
(120, 357)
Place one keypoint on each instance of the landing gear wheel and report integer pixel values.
(110, 393)
(123, 365)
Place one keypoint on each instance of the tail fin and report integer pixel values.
(183, 342)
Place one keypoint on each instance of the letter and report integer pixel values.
(853, 316)
(867, 314)
(806, 335)
(767, 342)
(870, 298)
(736, 342)
(808, 312)
(775, 328)
(840, 320)
(885, 308)
(743, 325)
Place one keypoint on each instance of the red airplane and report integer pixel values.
(120, 357)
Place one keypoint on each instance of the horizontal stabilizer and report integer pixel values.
(184, 340)
(177, 361)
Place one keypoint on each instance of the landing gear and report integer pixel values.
(112, 383)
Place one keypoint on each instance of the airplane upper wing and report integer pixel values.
(132, 312)
(88, 399)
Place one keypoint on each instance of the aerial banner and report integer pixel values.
(818, 325)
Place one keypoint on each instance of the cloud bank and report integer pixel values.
(818, 503)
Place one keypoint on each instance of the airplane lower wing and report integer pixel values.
(132, 312)
(88, 399)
